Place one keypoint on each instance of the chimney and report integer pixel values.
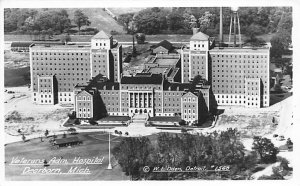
(195, 30)
(221, 27)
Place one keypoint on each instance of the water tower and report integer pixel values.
(236, 23)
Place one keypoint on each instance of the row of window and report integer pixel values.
(189, 99)
(84, 110)
(46, 101)
(58, 53)
(239, 61)
(240, 71)
(54, 59)
(189, 111)
(64, 99)
(187, 117)
(99, 56)
(240, 56)
(100, 44)
(46, 96)
(45, 90)
(83, 115)
(45, 80)
(65, 94)
(83, 98)
(45, 85)
(239, 66)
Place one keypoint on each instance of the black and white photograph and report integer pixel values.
(150, 92)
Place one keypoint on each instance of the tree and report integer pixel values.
(63, 23)
(46, 132)
(252, 31)
(277, 46)
(205, 21)
(265, 148)
(125, 19)
(77, 121)
(65, 38)
(181, 122)
(93, 122)
(289, 143)
(175, 21)
(133, 154)
(140, 37)
(81, 19)
(197, 79)
(23, 137)
(72, 115)
(151, 20)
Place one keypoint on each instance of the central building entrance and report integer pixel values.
(141, 102)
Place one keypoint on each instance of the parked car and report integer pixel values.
(281, 138)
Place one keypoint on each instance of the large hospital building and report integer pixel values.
(90, 77)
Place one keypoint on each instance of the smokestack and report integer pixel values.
(221, 27)
(195, 30)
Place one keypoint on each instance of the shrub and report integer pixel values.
(183, 130)
(141, 37)
(184, 31)
(14, 116)
(113, 32)
(72, 115)
(182, 122)
(93, 122)
(46, 133)
(77, 121)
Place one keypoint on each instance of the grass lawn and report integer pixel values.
(16, 77)
(94, 145)
(120, 38)
(128, 38)
(115, 118)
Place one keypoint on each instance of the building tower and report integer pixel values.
(105, 57)
(194, 61)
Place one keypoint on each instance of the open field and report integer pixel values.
(21, 113)
(120, 38)
(124, 10)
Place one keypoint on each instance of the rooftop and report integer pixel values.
(142, 78)
(176, 86)
(21, 44)
(61, 47)
(200, 37)
(166, 44)
(239, 50)
(158, 70)
(101, 35)
(166, 61)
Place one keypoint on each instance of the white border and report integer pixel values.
(168, 3)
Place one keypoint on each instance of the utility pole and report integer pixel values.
(109, 167)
